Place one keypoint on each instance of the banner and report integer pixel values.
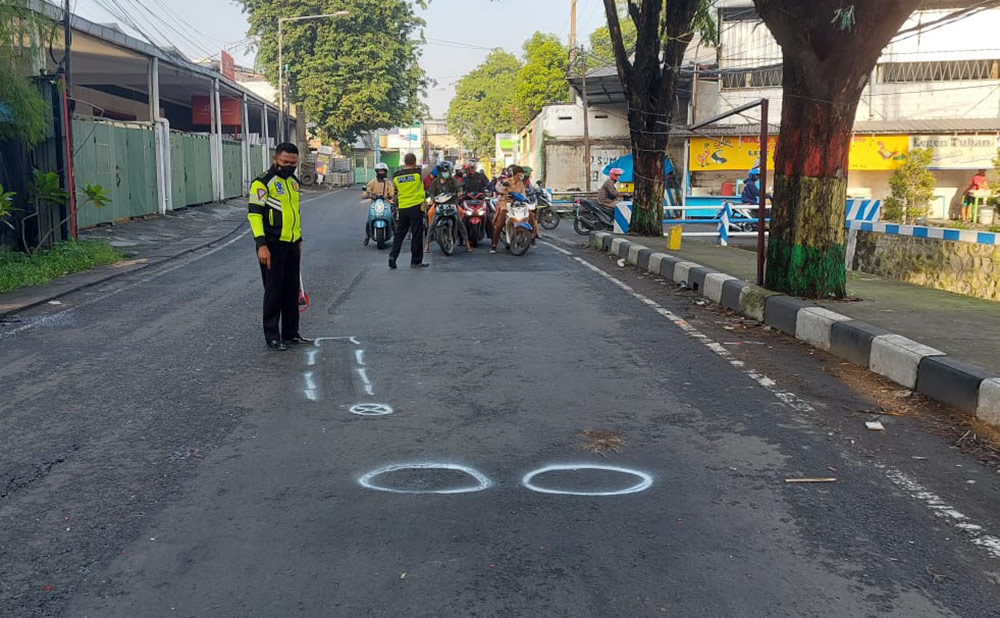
(201, 111)
(959, 152)
(227, 66)
(728, 153)
(878, 152)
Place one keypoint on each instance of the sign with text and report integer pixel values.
(201, 111)
(878, 152)
(227, 66)
(959, 152)
(728, 153)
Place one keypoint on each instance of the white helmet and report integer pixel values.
(381, 167)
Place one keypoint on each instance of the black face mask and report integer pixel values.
(285, 172)
(380, 175)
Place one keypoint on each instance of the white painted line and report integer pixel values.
(319, 340)
(962, 523)
(310, 390)
(482, 481)
(359, 356)
(645, 480)
(159, 273)
(311, 357)
(364, 378)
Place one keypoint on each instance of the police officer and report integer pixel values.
(409, 201)
(275, 222)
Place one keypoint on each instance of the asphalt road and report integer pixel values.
(157, 461)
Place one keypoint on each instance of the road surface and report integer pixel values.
(428, 458)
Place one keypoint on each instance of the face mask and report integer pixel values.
(446, 175)
(285, 172)
(380, 175)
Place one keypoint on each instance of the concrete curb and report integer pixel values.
(967, 387)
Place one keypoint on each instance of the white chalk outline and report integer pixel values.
(311, 357)
(484, 481)
(318, 341)
(646, 481)
(359, 355)
(368, 383)
(310, 389)
(372, 409)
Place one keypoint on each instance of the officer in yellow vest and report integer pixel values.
(410, 218)
(276, 225)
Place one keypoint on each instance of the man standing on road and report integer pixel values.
(275, 223)
(409, 201)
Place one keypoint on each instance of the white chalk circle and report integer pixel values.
(482, 482)
(645, 480)
(371, 409)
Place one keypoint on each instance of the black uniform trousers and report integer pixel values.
(281, 291)
(410, 220)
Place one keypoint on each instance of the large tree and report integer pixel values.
(664, 28)
(602, 52)
(23, 111)
(542, 79)
(351, 74)
(484, 102)
(828, 48)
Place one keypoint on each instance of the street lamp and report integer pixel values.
(281, 65)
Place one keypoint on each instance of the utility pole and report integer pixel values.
(67, 42)
(572, 26)
(586, 117)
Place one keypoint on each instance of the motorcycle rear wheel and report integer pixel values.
(522, 242)
(380, 238)
(549, 218)
(581, 227)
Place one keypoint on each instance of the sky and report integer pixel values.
(459, 33)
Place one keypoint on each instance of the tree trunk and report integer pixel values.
(805, 253)
(647, 161)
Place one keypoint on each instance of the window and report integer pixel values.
(763, 77)
(601, 116)
(938, 71)
(565, 118)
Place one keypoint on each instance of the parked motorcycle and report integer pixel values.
(475, 209)
(444, 230)
(380, 222)
(517, 230)
(591, 216)
(545, 214)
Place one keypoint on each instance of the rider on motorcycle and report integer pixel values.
(382, 187)
(475, 182)
(515, 184)
(444, 183)
(608, 194)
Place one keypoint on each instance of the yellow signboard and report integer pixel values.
(878, 152)
(868, 152)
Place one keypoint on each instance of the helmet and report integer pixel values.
(616, 173)
(381, 167)
(527, 170)
(755, 172)
(444, 166)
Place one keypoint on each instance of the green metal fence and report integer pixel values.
(121, 158)
(257, 160)
(190, 169)
(232, 169)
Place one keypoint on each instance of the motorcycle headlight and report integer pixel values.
(481, 212)
(379, 209)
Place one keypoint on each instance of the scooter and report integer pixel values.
(546, 215)
(379, 222)
(444, 230)
(591, 216)
(517, 230)
(474, 207)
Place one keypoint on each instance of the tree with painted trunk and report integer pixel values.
(664, 29)
(829, 49)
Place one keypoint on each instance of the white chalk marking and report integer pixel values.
(371, 409)
(310, 389)
(978, 537)
(311, 357)
(483, 482)
(645, 480)
(359, 355)
(106, 295)
(319, 340)
(364, 378)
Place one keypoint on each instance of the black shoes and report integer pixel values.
(392, 263)
(277, 345)
(420, 265)
(299, 340)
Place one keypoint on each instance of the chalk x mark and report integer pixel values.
(645, 480)
(371, 409)
(482, 481)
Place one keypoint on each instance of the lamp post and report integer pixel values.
(281, 65)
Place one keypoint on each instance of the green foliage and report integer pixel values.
(23, 36)
(912, 188)
(97, 195)
(6, 202)
(542, 79)
(484, 102)
(46, 187)
(352, 74)
(602, 53)
(18, 270)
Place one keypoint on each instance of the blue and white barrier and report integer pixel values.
(920, 231)
(724, 216)
(863, 210)
(623, 217)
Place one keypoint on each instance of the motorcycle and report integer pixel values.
(517, 230)
(546, 215)
(591, 216)
(475, 208)
(444, 230)
(380, 222)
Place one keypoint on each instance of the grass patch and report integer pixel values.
(17, 270)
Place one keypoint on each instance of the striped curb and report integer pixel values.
(909, 363)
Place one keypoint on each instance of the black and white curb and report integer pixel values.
(967, 387)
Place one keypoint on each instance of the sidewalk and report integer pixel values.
(144, 243)
(941, 344)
